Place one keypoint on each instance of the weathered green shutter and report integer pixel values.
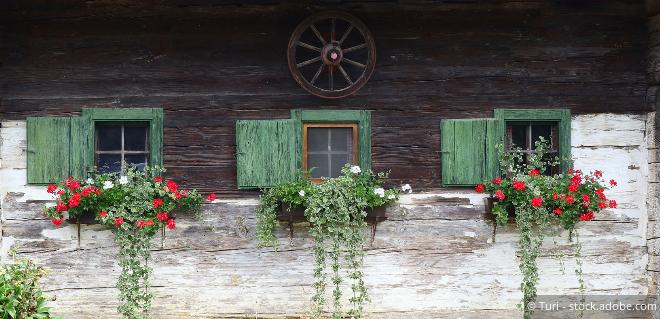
(80, 149)
(265, 152)
(48, 149)
(469, 153)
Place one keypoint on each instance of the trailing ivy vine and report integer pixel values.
(336, 209)
(136, 205)
(537, 200)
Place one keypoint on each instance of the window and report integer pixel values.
(468, 147)
(121, 144)
(97, 139)
(524, 135)
(328, 147)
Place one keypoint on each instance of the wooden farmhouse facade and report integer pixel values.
(209, 90)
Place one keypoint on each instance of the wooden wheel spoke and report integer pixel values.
(331, 79)
(318, 34)
(316, 76)
(357, 47)
(348, 31)
(332, 29)
(358, 64)
(348, 78)
(308, 46)
(308, 62)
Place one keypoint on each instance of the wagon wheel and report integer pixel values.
(331, 54)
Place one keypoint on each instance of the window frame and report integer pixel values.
(560, 116)
(360, 117)
(356, 138)
(122, 152)
(154, 116)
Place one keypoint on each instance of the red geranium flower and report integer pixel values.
(212, 197)
(74, 201)
(589, 215)
(60, 192)
(171, 224)
(171, 186)
(555, 196)
(57, 221)
(149, 222)
(537, 201)
(74, 185)
(139, 223)
(613, 182)
(119, 221)
(499, 194)
(598, 173)
(88, 191)
(177, 195)
(162, 216)
(68, 180)
(570, 199)
(158, 202)
(600, 195)
(61, 207)
(517, 185)
(479, 188)
(612, 203)
(497, 180)
(573, 187)
(103, 214)
(586, 198)
(602, 205)
(158, 179)
(534, 172)
(557, 211)
(52, 188)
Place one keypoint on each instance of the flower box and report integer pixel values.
(288, 213)
(489, 202)
(87, 218)
(376, 214)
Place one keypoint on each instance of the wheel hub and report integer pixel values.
(331, 54)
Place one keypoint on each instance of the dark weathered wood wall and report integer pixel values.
(212, 62)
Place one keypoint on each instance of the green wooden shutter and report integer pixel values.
(469, 153)
(80, 149)
(48, 145)
(266, 152)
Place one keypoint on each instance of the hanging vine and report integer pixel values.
(136, 205)
(336, 209)
(537, 200)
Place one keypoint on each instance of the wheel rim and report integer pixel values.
(331, 54)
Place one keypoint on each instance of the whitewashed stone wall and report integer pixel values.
(436, 257)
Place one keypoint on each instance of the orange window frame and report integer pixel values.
(306, 126)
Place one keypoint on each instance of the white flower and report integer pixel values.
(90, 181)
(123, 180)
(380, 192)
(355, 169)
(391, 196)
(108, 185)
(301, 193)
(406, 188)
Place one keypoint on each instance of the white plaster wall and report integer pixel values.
(433, 258)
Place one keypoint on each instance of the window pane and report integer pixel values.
(109, 138)
(519, 135)
(135, 138)
(341, 139)
(138, 161)
(317, 139)
(107, 163)
(539, 130)
(320, 164)
(338, 161)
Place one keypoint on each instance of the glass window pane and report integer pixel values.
(138, 161)
(317, 139)
(109, 138)
(135, 138)
(542, 129)
(338, 161)
(107, 163)
(320, 164)
(341, 139)
(519, 135)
